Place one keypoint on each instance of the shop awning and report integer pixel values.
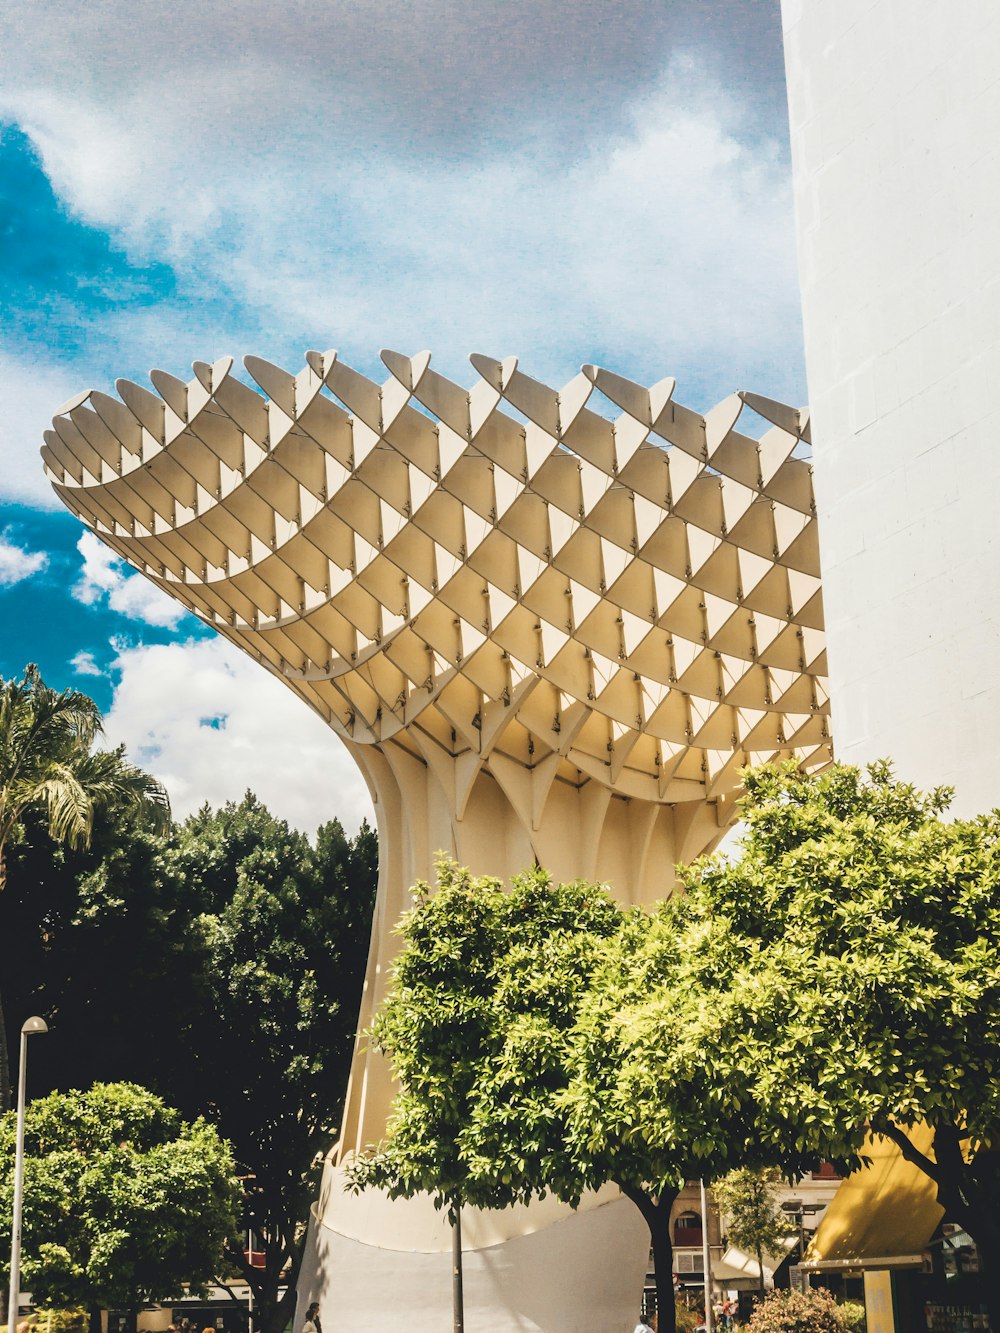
(883, 1216)
(736, 1266)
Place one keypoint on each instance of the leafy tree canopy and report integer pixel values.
(849, 962)
(124, 1202)
(49, 769)
(508, 1025)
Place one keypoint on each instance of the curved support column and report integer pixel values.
(580, 831)
(544, 1267)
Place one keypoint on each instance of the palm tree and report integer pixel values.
(47, 763)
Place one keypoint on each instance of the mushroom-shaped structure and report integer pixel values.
(544, 632)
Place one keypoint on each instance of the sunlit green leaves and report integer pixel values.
(123, 1202)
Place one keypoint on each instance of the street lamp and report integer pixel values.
(29, 1029)
(706, 1260)
(457, 1293)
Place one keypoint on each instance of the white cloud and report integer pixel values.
(667, 248)
(210, 723)
(104, 580)
(466, 203)
(30, 390)
(447, 77)
(85, 664)
(17, 564)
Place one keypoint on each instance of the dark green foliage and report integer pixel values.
(52, 778)
(222, 968)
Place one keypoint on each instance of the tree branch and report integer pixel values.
(886, 1129)
(641, 1199)
(948, 1150)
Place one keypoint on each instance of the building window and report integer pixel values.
(687, 1231)
(826, 1171)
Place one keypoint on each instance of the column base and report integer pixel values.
(540, 1269)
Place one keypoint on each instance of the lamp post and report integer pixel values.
(706, 1259)
(28, 1029)
(458, 1295)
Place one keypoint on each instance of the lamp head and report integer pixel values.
(33, 1025)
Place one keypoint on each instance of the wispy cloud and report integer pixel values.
(665, 247)
(210, 724)
(31, 388)
(85, 664)
(105, 581)
(17, 564)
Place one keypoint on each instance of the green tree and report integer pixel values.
(124, 1202)
(749, 1202)
(286, 941)
(507, 1025)
(47, 763)
(232, 957)
(861, 981)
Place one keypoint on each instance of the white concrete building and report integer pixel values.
(895, 120)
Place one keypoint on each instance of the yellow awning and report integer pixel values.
(883, 1216)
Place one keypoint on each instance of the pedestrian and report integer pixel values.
(312, 1324)
(643, 1327)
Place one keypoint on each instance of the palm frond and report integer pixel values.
(68, 805)
(46, 759)
(113, 783)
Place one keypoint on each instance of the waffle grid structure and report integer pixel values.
(630, 598)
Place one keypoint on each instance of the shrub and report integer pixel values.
(854, 1316)
(54, 1321)
(60, 1321)
(798, 1312)
(687, 1320)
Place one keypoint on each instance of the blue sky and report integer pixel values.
(567, 180)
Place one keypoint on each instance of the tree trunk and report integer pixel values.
(760, 1269)
(657, 1215)
(279, 1312)
(971, 1202)
(965, 1190)
(271, 1312)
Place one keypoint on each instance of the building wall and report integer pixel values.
(895, 122)
(815, 1191)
